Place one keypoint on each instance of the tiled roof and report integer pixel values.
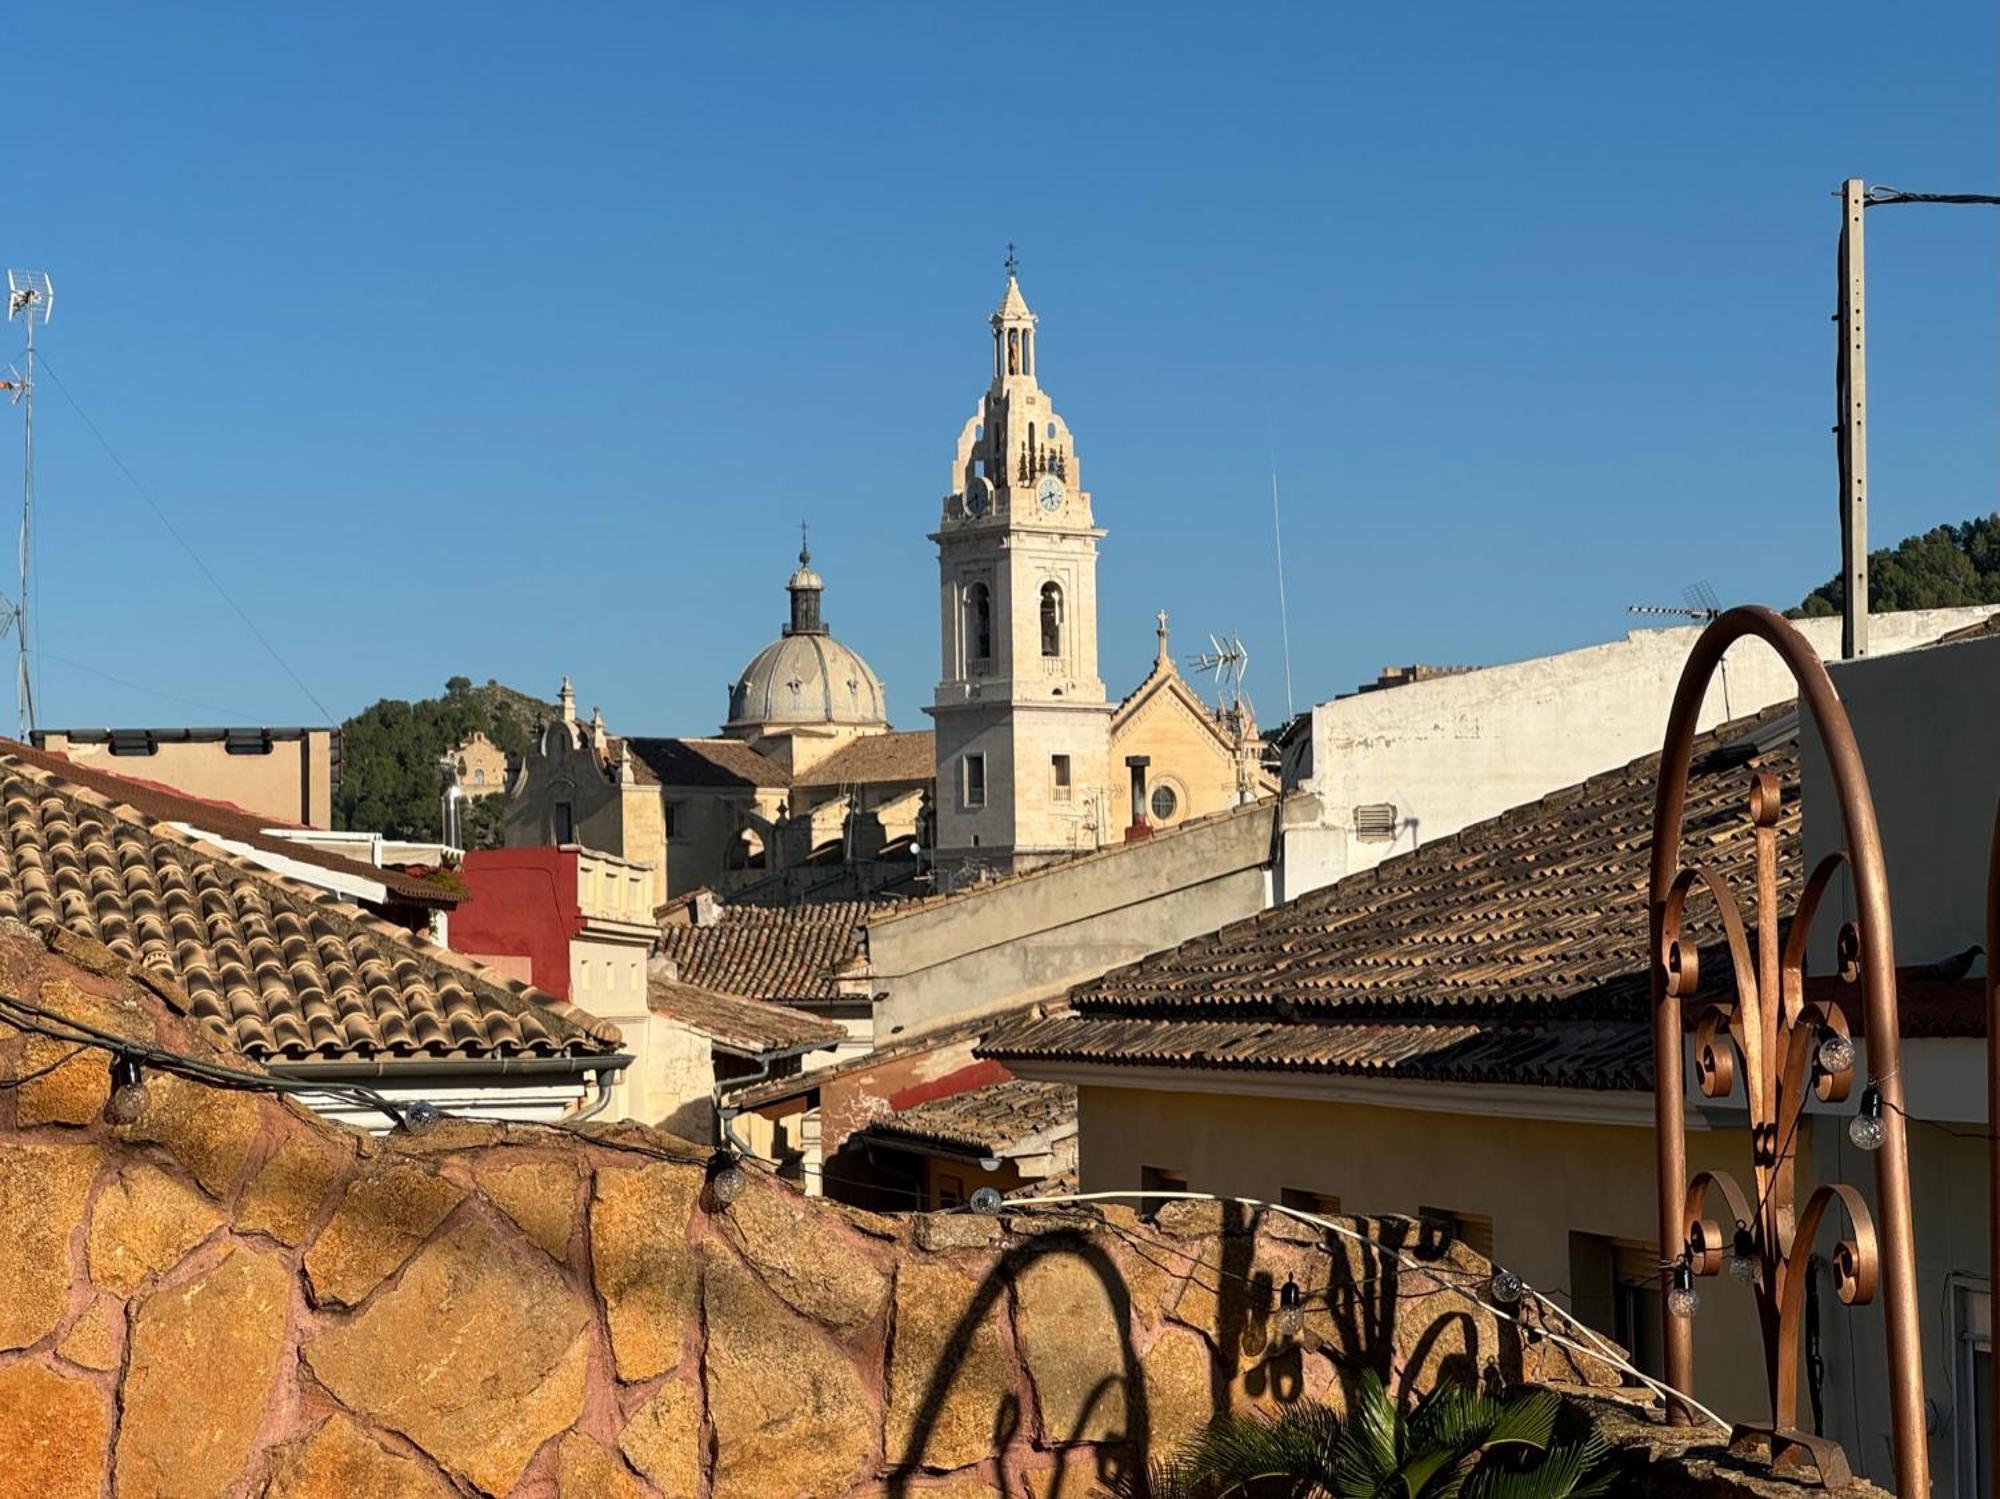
(723, 763)
(769, 952)
(275, 968)
(873, 759)
(994, 1120)
(1514, 950)
(747, 1025)
(221, 820)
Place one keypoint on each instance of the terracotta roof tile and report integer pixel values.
(275, 968)
(222, 820)
(873, 759)
(995, 1120)
(747, 1025)
(769, 952)
(1513, 951)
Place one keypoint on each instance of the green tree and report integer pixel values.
(1456, 1442)
(1942, 568)
(392, 778)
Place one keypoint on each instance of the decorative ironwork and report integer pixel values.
(1782, 1051)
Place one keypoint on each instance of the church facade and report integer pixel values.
(809, 793)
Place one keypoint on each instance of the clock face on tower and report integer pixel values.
(1049, 494)
(975, 496)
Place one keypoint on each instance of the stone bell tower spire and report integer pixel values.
(1023, 730)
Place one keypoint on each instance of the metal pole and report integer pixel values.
(1853, 426)
(24, 688)
(1993, 1131)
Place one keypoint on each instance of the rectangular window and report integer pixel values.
(950, 1192)
(668, 816)
(975, 780)
(1473, 1230)
(1615, 1288)
(1326, 1204)
(565, 823)
(1156, 1179)
(1059, 771)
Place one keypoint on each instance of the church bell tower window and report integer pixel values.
(1052, 619)
(979, 622)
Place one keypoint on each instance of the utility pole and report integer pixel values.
(1851, 433)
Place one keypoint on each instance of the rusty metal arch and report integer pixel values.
(1763, 1027)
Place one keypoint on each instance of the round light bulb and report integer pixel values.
(1741, 1261)
(1506, 1287)
(986, 1199)
(420, 1116)
(1291, 1318)
(126, 1104)
(1866, 1128)
(1683, 1301)
(1836, 1054)
(725, 1178)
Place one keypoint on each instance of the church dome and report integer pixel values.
(806, 676)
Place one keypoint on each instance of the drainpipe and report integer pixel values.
(1136, 765)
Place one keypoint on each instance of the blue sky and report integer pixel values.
(513, 341)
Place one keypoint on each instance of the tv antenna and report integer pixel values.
(30, 297)
(1701, 605)
(1226, 660)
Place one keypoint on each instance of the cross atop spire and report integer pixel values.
(1013, 261)
(1162, 632)
(805, 552)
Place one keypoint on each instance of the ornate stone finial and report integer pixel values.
(805, 552)
(1162, 632)
(566, 701)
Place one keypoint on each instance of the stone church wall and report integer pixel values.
(229, 1296)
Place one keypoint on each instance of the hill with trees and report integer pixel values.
(390, 777)
(1939, 569)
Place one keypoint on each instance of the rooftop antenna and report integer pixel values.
(1701, 605)
(30, 297)
(1226, 660)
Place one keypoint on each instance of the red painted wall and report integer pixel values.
(523, 904)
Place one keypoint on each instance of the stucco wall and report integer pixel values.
(1040, 933)
(291, 784)
(1452, 750)
(229, 1296)
(1538, 1180)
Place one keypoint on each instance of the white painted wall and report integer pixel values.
(1455, 750)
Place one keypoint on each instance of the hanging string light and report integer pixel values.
(128, 1091)
(986, 1200)
(1506, 1287)
(1683, 1300)
(420, 1116)
(1741, 1261)
(1291, 1318)
(1836, 1052)
(1866, 1129)
(725, 1178)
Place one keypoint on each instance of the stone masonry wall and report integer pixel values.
(230, 1296)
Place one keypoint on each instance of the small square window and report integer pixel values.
(975, 780)
(1059, 772)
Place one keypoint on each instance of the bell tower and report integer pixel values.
(1023, 730)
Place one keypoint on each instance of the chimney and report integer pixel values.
(1137, 764)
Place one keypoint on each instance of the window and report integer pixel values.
(975, 780)
(565, 823)
(1052, 619)
(1326, 1204)
(1155, 1179)
(979, 622)
(1165, 803)
(1973, 1377)
(1473, 1230)
(667, 815)
(948, 1192)
(1375, 822)
(1615, 1288)
(1059, 775)
(479, 776)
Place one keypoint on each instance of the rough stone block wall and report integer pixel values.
(230, 1296)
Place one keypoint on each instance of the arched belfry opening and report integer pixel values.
(1052, 619)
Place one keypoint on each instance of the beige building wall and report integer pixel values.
(1034, 936)
(1204, 761)
(1538, 1180)
(482, 766)
(283, 774)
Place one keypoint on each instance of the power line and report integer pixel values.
(1884, 197)
(186, 702)
(216, 583)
